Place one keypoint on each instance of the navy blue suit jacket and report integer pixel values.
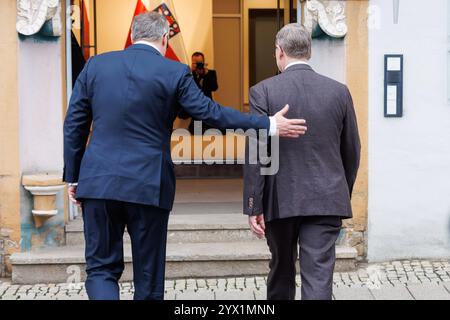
(132, 98)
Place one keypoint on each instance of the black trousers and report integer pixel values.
(314, 240)
(104, 226)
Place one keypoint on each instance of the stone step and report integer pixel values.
(207, 208)
(190, 260)
(207, 171)
(186, 228)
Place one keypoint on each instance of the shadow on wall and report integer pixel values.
(448, 229)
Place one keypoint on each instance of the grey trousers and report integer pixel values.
(313, 239)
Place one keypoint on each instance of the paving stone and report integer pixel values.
(222, 283)
(10, 292)
(45, 297)
(240, 281)
(26, 297)
(380, 281)
(447, 286)
(260, 294)
(211, 282)
(191, 284)
(429, 292)
(201, 283)
(180, 284)
(357, 285)
(387, 292)
(235, 295)
(170, 295)
(201, 294)
(79, 297)
(231, 283)
(250, 283)
(342, 293)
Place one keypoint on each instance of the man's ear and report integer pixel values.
(282, 54)
(166, 39)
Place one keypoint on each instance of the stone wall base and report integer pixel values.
(355, 239)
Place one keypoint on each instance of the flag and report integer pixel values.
(140, 8)
(86, 33)
(176, 50)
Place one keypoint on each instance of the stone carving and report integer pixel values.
(326, 16)
(39, 16)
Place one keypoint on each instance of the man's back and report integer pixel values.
(133, 105)
(316, 172)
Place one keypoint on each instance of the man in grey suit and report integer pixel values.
(303, 204)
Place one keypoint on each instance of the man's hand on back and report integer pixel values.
(289, 128)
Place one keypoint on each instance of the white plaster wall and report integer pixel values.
(40, 101)
(328, 57)
(409, 158)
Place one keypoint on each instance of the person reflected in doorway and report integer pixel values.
(206, 80)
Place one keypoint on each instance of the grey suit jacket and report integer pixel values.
(316, 171)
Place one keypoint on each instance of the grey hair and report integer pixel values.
(295, 40)
(150, 26)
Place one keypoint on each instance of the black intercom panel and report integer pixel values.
(393, 85)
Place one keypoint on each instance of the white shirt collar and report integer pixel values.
(147, 44)
(295, 63)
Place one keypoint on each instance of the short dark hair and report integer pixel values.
(198, 54)
(150, 26)
(295, 40)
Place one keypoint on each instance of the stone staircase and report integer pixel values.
(205, 240)
(214, 245)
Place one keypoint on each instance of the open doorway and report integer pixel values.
(263, 27)
(235, 36)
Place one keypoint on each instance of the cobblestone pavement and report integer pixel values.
(398, 280)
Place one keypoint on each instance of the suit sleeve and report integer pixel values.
(253, 180)
(350, 143)
(77, 127)
(200, 107)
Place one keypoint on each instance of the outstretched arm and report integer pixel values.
(76, 128)
(200, 107)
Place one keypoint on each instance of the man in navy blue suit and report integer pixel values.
(124, 177)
